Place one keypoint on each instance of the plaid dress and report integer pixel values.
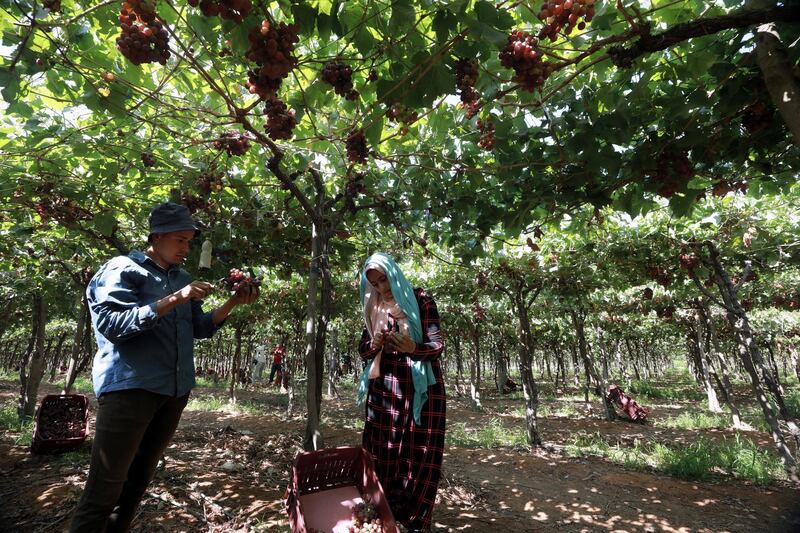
(408, 457)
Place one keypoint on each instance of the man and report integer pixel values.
(260, 362)
(146, 312)
(277, 364)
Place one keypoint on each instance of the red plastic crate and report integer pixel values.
(316, 473)
(62, 423)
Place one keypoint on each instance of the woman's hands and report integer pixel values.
(399, 342)
(378, 340)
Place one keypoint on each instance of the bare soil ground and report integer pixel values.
(228, 472)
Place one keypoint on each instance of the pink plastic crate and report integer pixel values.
(326, 483)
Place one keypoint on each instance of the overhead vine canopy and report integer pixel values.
(462, 116)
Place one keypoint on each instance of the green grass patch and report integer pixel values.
(208, 383)
(669, 392)
(492, 435)
(80, 456)
(696, 420)
(557, 409)
(793, 403)
(22, 432)
(82, 384)
(8, 375)
(698, 461)
(219, 404)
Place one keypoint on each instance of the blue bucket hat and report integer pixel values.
(169, 217)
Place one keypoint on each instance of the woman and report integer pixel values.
(405, 424)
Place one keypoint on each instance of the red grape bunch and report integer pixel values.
(280, 119)
(271, 49)
(209, 182)
(341, 77)
(365, 519)
(53, 5)
(355, 184)
(688, 261)
(757, 117)
(233, 142)
(238, 278)
(354, 187)
(566, 15)
(144, 39)
(466, 76)
(478, 312)
(195, 203)
(523, 55)
(235, 10)
(487, 134)
(666, 312)
(400, 113)
(356, 145)
(673, 168)
(148, 159)
(661, 276)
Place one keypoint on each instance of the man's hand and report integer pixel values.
(196, 290)
(247, 293)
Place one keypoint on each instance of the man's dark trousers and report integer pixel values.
(132, 431)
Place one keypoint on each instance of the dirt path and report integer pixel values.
(228, 472)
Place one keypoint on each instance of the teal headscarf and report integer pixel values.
(403, 293)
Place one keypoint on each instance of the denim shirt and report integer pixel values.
(136, 349)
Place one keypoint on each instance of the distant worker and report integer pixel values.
(259, 362)
(277, 364)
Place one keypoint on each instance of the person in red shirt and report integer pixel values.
(277, 363)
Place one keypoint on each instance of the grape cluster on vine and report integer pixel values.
(356, 145)
(478, 312)
(566, 15)
(471, 108)
(688, 261)
(723, 187)
(233, 142)
(195, 203)
(280, 119)
(400, 113)
(341, 77)
(54, 205)
(354, 187)
(661, 276)
(355, 184)
(487, 134)
(466, 76)
(148, 159)
(757, 117)
(209, 182)
(235, 10)
(523, 55)
(143, 38)
(666, 312)
(271, 49)
(790, 301)
(673, 169)
(237, 278)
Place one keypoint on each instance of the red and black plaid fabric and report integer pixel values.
(408, 457)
